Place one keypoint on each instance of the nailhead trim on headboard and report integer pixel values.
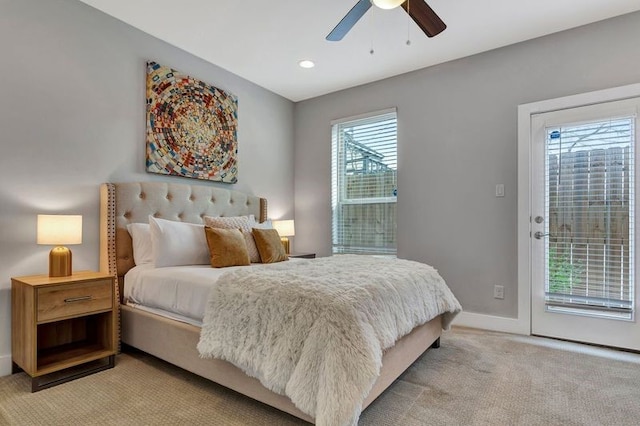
(108, 243)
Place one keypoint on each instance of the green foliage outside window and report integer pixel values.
(563, 273)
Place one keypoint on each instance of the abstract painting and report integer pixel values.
(191, 127)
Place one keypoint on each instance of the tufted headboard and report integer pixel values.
(124, 203)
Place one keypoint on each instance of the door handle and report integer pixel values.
(539, 235)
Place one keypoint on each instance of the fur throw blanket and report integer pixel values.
(315, 330)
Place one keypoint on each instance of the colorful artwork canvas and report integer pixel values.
(191, 127)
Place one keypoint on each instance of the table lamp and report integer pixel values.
(285, 229)
(59, 230)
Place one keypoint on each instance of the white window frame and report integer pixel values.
(338, 195)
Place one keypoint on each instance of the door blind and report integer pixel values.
(590, 217)
(364, 184)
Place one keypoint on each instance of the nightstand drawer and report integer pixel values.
(65, 301)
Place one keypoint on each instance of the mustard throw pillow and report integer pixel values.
(269, 245)
(226, 247)
(236, 222)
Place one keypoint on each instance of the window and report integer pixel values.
(590, 206)
(364, 186)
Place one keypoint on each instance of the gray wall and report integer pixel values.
(456, 140)
(72, 115)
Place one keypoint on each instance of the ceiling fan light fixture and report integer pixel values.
(421, 13)
(387, 4)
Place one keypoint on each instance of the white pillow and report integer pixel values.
(141, 238)
(178, 243)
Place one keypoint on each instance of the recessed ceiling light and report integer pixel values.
(306, 63)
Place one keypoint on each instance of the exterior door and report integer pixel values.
(583, 239)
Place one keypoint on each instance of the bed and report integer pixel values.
(175, 340)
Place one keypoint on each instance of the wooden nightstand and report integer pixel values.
(303, 255)
(63, 328)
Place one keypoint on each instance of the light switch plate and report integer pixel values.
(500, 190)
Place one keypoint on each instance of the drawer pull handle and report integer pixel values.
(77, 299)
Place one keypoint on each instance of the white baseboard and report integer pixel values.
(491, 322)
(5, 365)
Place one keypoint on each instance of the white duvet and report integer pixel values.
(315, 330)
(179, 292)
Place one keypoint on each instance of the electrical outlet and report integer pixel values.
(498, 292)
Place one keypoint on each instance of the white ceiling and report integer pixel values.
(263, 41)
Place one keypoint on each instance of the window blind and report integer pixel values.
(364, 184)
(590, 209)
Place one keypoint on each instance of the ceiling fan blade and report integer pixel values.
(349, 20)
(425, 17)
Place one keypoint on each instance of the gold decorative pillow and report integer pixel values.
(269, 245)
(236, 222)
(226, 247)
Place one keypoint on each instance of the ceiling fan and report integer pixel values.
(419, 11)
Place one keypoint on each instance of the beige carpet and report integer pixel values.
(475, 378)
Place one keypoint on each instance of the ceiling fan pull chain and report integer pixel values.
(408, 23)
(372, 29)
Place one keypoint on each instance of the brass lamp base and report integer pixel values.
(285, 244)
(60, 262)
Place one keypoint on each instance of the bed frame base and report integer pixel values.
(175, 342)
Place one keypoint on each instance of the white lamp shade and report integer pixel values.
(285, 228)
(59, 229)
(388, 4)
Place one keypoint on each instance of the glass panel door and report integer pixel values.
(583, 224)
